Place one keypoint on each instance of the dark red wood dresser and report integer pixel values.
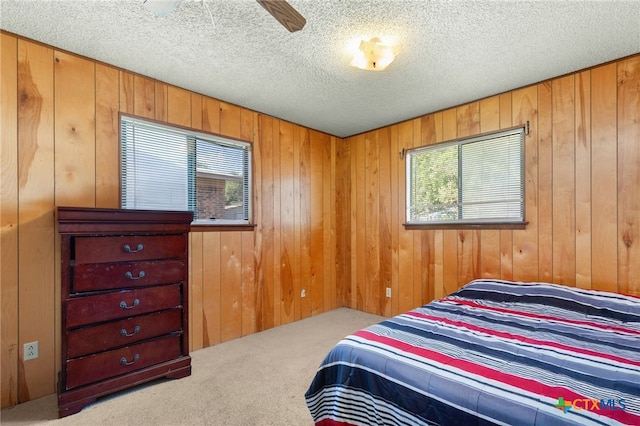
(124, 296)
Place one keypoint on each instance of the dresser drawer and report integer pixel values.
(121, 304)
(128, 248)
(105, 276)
(98, 338)
(82, 371)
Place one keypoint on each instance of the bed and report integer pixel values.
(493, 352)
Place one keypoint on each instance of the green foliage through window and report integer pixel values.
(474, 180)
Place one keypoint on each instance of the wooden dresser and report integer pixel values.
(124, 288)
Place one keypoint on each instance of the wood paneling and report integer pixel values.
(397, 213)
(230, 285)
(197, 112)
(211, 288)
(230, 120)
(211, 115)
(416, 236)
(287, 223)
(604, 171)
(544, 190)
(36, 237)
(60, 147)
(524, 107)
(144, 97)
(277, 208)
(265, 229)
(404, 291)
(343, 221)
(107, 128)
(126, 92)
(329, 212)
(249, 325)
(490, 238)
(329, 221)
(450, 236)
(468, 124)
(563, 180)
(161, 101)
(75, 144)
(9, 357)
(75, 157)
(178, 107)
(196, 315)
(317, 169)
(582, 186)
(358, 269)
(506, 235)
(582, 125)
(629, 176)
(304, 182)
(385, 158)
(371, 224)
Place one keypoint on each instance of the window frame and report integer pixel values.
(199, 224)
(461, 223)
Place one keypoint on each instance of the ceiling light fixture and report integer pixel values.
(373, 55)
(161, 7)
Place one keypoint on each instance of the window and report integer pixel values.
(169, 168)
(478, 180)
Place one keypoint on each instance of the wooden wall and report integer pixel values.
(60, 148)
(582, 196)
(329, 212)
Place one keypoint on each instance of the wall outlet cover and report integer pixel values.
(30, 351)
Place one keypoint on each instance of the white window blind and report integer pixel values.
(167, 168)
(491, 178)
(474, 180)
(155, 167)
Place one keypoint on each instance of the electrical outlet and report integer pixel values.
(30, 351)
(303, 293)
(388, 291)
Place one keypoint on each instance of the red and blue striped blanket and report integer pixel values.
(494, 352)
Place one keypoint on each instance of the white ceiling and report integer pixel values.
(454, 51)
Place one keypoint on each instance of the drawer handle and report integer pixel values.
(124, 361)
(128, 248)
(124, 305)
(136, 330)
(129, 275)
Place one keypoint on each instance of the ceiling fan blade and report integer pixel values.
(284, 13)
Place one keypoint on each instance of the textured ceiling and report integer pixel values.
(233, 50)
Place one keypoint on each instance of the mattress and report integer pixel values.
(493, 352)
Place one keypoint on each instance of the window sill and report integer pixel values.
(451, 225)
(221, 226)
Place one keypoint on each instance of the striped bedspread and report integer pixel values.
(494, 352)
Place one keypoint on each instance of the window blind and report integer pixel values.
(474, 180)
(491, 178)
(169, 168)
(155, 167)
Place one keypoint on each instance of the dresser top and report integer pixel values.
(87, 220)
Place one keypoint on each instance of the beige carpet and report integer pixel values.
(256, 380)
